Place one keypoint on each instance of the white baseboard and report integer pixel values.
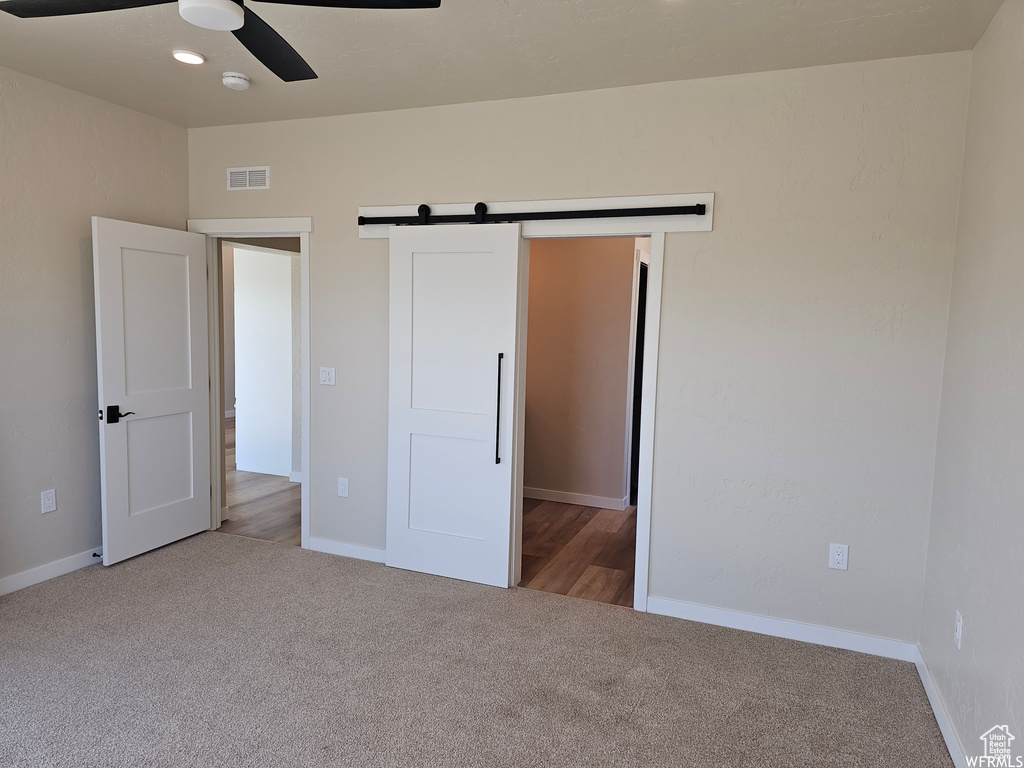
(332, 547)
(229, 414)
(295, 477)
(793, 630)
(49, 571)
(582, 499)
(949, 734)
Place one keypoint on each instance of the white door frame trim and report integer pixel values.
(654, 227)
(639, 259)
(648, 403)
(216, 229)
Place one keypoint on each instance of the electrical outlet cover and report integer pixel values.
(48, 499)
(838, 556)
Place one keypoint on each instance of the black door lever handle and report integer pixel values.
(497, 418)
(114, 414)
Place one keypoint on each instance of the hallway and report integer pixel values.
(579, 551)
(260, 506)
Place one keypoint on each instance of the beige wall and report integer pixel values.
(64, 157)
(975, 562)
(802, 340)
(577, 365)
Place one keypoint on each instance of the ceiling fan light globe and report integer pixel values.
(220, 15)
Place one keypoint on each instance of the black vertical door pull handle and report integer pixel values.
(114, 414)
(497, 418)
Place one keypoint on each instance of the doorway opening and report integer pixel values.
(261, 382)
(587, 300)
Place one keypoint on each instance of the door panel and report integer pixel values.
(155, 287)
(435, 463)
(152, 362)
(451, 327)
(453, 292)
(160, 457)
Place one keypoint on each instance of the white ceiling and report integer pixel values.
(469, 50)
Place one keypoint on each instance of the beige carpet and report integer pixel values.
(224, 651)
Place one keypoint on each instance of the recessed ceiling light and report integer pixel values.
(189, 57)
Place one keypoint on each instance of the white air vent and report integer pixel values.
(254, 177)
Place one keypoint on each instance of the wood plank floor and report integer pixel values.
(567, 549)
(260, 506)
(579, 551)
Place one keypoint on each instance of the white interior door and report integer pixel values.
(453, 293)
(153, 366)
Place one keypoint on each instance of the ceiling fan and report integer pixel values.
(223, 15)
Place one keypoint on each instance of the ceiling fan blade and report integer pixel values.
(371, 4)
(33, 9)
(272, 50)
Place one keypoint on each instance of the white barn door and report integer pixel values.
(154, 385)
(453, 293)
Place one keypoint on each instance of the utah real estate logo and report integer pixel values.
(998, 750)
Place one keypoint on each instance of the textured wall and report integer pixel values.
(975, 562)
(802, 340)
(577, 365)
(64, 157)
(802, 347)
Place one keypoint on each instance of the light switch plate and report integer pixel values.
(327, 376)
